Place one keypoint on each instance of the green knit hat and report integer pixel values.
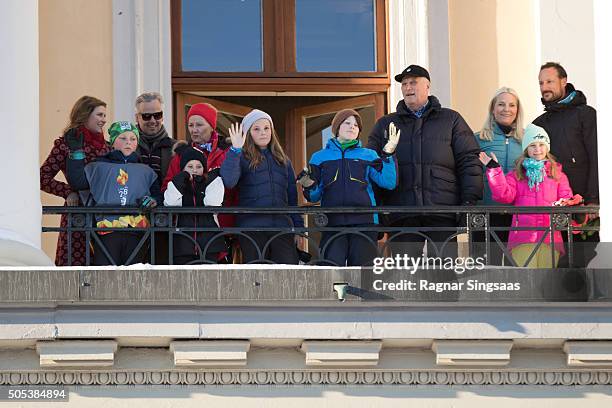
(118, 128)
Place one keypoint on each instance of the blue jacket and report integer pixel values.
(269, 185)
(507, 150)
(345, 179)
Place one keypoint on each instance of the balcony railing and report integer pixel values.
(470, 220)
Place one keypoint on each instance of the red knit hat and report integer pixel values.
(205, 110)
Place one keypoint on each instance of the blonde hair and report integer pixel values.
(253, 154)
(520, 173)
(486, 133)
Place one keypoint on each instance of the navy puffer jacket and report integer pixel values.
(437, 158)
(268, 185)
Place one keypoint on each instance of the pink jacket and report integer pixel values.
(508, 190)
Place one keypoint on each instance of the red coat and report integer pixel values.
(508, 190)
(214, 159)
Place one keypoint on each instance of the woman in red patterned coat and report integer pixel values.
(88, 116)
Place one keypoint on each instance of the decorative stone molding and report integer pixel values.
(76, 353)
(472, 352)
(588, 353)
(209, 353)
(300, 378)
(341, 353)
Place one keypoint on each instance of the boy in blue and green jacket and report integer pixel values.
(341, 175)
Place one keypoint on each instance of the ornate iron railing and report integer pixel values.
(470, 220)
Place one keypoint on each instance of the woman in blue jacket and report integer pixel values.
(341, 175)
(257, 164)
(501, 134)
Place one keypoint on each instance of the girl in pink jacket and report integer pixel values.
(537, 180)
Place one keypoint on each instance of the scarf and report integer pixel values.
(535, 171)
(94, 139)
(504, 128)
(148, 142)
(346, 145)
(568, 98)
(208, 146)
(419, 112)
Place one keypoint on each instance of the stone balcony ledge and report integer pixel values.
(310, 285)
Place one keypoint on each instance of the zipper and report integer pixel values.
(342, 151)
(269, 163)
(195, 218)
(507, 153)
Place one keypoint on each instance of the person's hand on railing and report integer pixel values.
(394, 136)
(306, 177)
(72, 200)
(490, 162)
(237, 135)
(146, 204)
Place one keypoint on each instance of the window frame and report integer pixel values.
(279, 58)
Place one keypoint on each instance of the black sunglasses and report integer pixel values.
(155, 115)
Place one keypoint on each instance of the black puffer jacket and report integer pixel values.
(572, 128)
(437, 157)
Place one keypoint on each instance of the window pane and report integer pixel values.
(335, 35)
(222, 35)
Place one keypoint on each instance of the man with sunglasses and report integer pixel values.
(155, 146)
(155, 150)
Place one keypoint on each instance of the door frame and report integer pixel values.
(296, 121)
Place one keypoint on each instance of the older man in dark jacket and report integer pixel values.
(572, 126)
(437, 158)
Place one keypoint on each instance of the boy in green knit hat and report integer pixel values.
(115, 180)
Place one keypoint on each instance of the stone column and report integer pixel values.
(141, 55)
(20, 208)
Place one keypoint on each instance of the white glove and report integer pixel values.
(304, 178)
(394, 136)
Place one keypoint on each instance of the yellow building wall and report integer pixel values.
(75, 51)
(492, 44)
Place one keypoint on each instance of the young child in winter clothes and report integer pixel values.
(537, 180)
(195, 187)
(116, 179)
(342, 174)
(257, 164)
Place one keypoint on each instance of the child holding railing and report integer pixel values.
(537, 180)
(115, 180)
(342, 174)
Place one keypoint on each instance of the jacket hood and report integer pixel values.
(434, 104)
(579, 99)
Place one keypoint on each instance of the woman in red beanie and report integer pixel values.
(201, 123)
(87, 118)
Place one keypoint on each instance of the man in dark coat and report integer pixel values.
(437, 158)
(155, 146)
(572, 126)
(155, 150)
